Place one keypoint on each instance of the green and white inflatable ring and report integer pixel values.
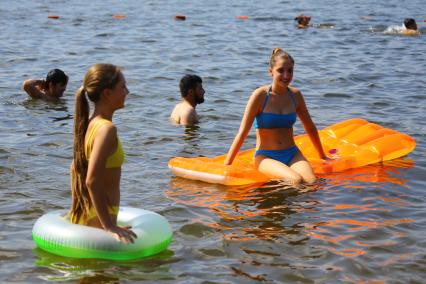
(54, 233)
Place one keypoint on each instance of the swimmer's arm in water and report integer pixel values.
(33, 88)
(300, 26)
(252, 109)
(104, 145)
(308, 124)
(411, 32)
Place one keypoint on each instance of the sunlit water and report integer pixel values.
(365, 225)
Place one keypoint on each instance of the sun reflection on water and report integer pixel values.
(269, 212)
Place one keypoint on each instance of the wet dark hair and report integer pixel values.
(189, 82)
(56, 76)
(410, 24)
(301, 17)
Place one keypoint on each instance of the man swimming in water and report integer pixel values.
(303, 21)
(52, 88)
(192, 92)
(410, 27)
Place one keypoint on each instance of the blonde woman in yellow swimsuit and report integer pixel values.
(98, 155)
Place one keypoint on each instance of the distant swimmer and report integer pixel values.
(410, 27)
(192, 92)
(303, 21)
(52, 88)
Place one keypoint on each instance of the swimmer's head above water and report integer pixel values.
(53, 87)
(192, 92)
(410, 24)
(303, 20)
(56, 82)
(191, 84)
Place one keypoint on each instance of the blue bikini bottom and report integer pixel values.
(284, 155)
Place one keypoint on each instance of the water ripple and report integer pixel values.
(363, 225)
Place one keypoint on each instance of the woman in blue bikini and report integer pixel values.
(274, 109)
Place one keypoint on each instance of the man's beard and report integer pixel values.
(199, 100)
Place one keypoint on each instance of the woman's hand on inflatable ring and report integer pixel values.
(122, 234)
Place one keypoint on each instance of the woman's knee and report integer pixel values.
(310, 178)
(277, 169)
(295, 178)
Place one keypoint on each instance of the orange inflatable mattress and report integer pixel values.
(352, 143)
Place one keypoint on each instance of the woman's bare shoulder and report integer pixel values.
(260, 92)
(295, 90)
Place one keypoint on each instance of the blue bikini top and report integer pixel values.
(274, 120)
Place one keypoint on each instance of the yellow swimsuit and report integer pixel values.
(114, 161)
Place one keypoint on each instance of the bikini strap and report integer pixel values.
(91, 136)
(292, 98)
(267, 98)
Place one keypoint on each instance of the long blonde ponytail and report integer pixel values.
(80, 196)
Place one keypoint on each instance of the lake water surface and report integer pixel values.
(361, 226)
